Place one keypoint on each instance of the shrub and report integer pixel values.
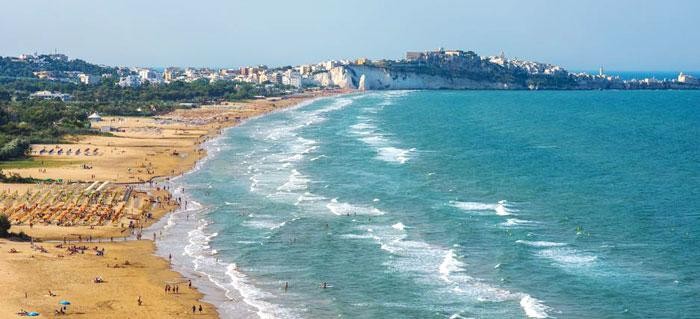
(14, 148)
(4, 225)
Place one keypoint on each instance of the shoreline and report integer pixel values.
(189, 234)
(151, 252)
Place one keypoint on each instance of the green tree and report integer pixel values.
(4, 225)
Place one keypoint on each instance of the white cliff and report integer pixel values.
(337, 76)
(374, 78)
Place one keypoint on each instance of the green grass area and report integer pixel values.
(33, 163)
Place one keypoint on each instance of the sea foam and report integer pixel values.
(427, 263)
(341, 209)
(501, 208)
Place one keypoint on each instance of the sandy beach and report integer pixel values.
(137, 150)
(129, 270)
(141, 148)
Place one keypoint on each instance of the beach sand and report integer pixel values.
(71, 278)
(142, 148)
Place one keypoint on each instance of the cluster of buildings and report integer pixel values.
(44, 60)
(48, 95)
(450, 57)
(442, 56)
(688, 79)
(297, 76)
(530, 67)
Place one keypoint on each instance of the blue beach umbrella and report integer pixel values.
(32, 314)
(64, 302)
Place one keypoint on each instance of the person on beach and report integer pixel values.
(140, 302)
(200, 308)
(194, 309)
(286, 286)
(189, 284)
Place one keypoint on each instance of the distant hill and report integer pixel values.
(58, 65)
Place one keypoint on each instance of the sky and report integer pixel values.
(578, 35)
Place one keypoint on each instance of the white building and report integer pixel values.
(275, 77)
(150, 76)
(129, 81)
(689, 79)
(292, 78)
(48, 95)
(330, 64)
(171, 74)
(89, 79)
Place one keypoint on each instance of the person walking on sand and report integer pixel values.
(194, 309)
(200, 308)
(140, 302)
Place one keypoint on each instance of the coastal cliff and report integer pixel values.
(376, 78)
(465, 70)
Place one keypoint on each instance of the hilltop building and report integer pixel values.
(48, 95)
(129, 81)
(688, 79)
(150, 76)
(89, 79)
(171, 74)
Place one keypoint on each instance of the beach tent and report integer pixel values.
(94, 117)
(32, 314)
(64, 302)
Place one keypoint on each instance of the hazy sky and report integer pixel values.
(618, 34)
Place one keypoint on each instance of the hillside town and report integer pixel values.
(344, 74)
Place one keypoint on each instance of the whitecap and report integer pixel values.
(449, 265)
(501, 208)
(296, 182)
(533, 308)
(427, 263)
(540, 243)
(568, 257)
(368, 133)
(398, 226)
(341, 208)
(394, 154)
(512, 222)
(253, 295)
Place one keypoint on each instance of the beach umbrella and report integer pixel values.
(64, 302)
(32, 314)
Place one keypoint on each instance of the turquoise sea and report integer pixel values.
(451, 204)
